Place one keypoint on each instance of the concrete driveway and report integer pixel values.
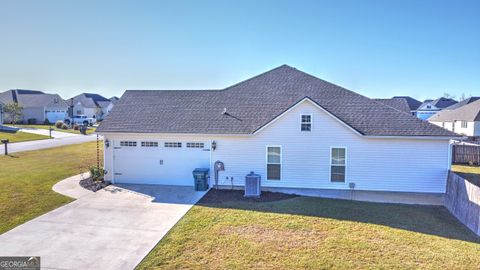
(114, 228)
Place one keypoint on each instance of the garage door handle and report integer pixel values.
(117, 148)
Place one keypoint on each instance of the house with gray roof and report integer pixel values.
(462, 103)
(37, 105)
(412, 103)
(297, 132)
(430, 107)
(91, 105)
(464, 120)
(400, 104)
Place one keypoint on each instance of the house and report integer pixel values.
(413, 104)
(396, 103)
(295, 130)
(464, 120)
(37, 105)
(430, 107)
(91, 105)
(462, 103)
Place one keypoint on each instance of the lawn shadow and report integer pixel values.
(432, 220)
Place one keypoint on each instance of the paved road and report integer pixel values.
(114, 228)
(59, 139)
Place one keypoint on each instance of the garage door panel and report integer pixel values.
(158, 165)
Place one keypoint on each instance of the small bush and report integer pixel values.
(97, 174)
(75, 127)
(32, 121)
(59, 124)
(64, 126)
(46, 122)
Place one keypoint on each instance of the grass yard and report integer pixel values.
(90, 130)
(26, 180)
(471, 173)
(226, 231)
(21, 136)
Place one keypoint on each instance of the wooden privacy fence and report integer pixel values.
(466, 154)
(462, 199)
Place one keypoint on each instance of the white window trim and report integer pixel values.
(266, 163)
(464, 122)
(311, 122)
(330, 166)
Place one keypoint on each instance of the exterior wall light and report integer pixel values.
(214, 145)
(107, 143)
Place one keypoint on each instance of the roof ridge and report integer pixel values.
(261, 74)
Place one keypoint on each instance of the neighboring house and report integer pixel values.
(293, 129)
(37, 105)
(396, 103)
(462, 103)
(91, 105)
(430, 107)
(413, 104)
(464, 120)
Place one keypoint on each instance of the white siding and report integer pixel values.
(382, 164)
(472, 129)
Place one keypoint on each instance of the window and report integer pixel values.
(274, 162)
(149, 144)
(464, 124)
(128, 143)
(195, 145)
(306, 122)
(337, 164)
(429, 107)
(173, 144)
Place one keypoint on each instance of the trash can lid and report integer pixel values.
(201, 170)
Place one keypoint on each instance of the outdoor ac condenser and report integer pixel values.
(252, 185)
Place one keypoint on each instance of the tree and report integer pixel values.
(14, 111)
(447, 95)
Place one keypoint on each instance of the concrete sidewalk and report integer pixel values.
(62, 140)
(45, 132)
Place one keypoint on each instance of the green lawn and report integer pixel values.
(225, 231)
(89, 131)
(26, 180)
(21, 136)
(471, 173)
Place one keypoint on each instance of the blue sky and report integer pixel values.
(379, 48)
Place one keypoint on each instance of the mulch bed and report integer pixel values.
(215, 196)
(92, 185)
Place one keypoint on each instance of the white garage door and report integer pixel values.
(159, 162)
(54, 116)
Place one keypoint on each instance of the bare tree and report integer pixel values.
(447, 95)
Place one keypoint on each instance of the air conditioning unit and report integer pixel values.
(252, 185)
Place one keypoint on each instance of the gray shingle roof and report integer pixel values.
(413, 104)
(253, 103)
(462, 103)
(441, 103)
(396, 103)
(32, 98)
(469, 112)
(90, 100)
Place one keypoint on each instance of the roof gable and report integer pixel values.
(253, 103)
(469, 112)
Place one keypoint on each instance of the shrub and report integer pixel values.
(32, 121)
(59, 124)
(46, 122)
(75, 127)
(97, 174)
(64, 126)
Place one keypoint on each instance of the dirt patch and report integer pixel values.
(215, 196)
(92, 185)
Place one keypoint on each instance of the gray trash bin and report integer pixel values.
(200, 177)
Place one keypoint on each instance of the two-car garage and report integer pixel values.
(158, 162)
